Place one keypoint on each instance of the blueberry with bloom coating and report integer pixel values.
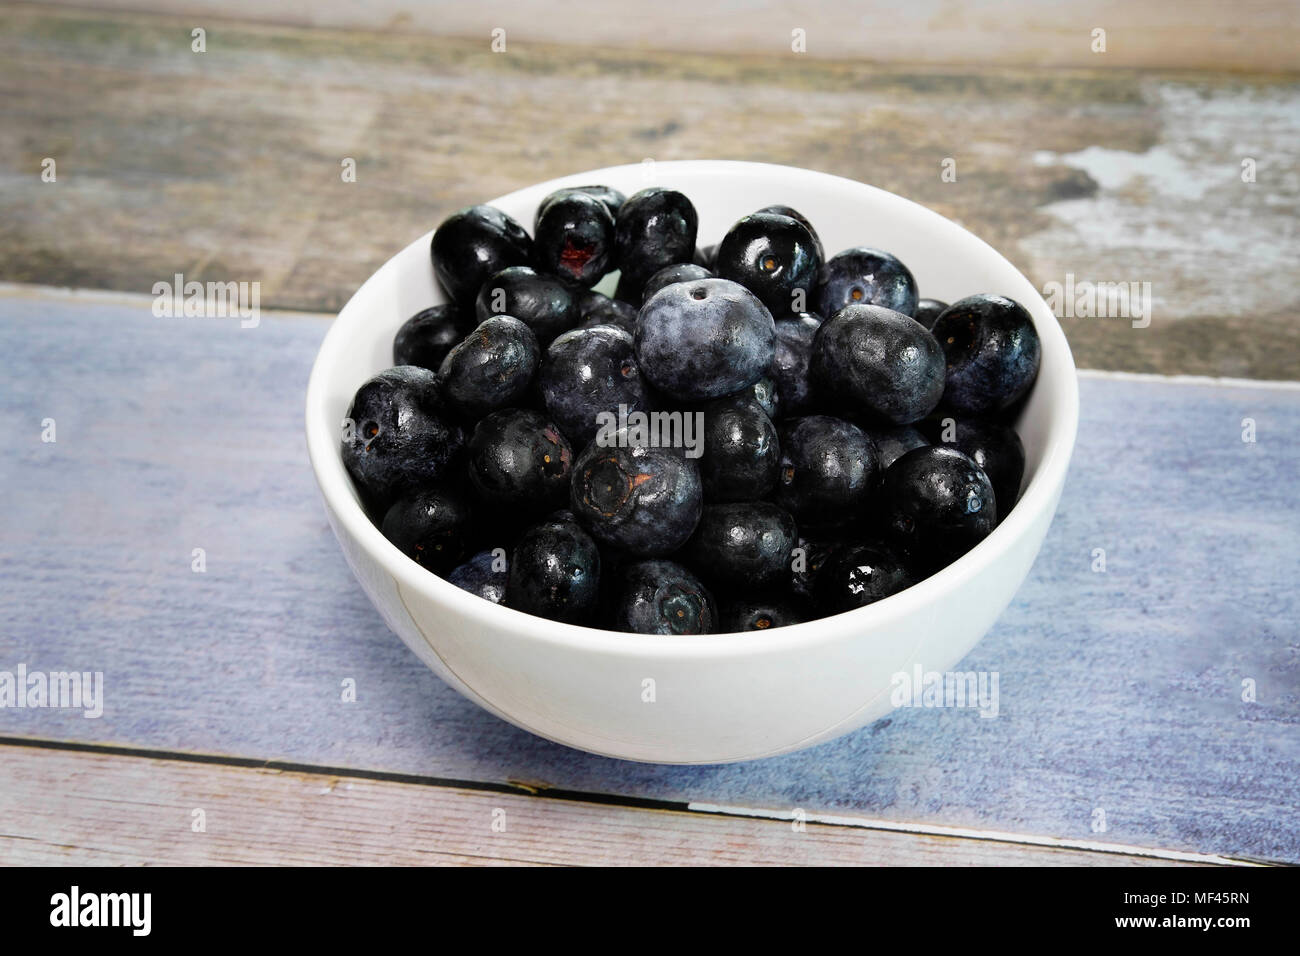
(544, 303)
(555, 573)
(483, 575)
(865, 276)
(430, 527)
(992, 352)
(426, 337)
(492, 368)
(744, 544)
(790, 361)
(880, 362)
(574, 239)
(655, 228)
(472, 245)
(937, 504)
(668, 275)
(662, 597)
(704, 339)
(398, 434)
(587, 372)
(828, 470)
(519, 460)
(773, 256)
(859, 575)
(742, 453)
(635, 496)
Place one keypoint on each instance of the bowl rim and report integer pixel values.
(1039, 496)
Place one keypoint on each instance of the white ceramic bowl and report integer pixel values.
(721, 697)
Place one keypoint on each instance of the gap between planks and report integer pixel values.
(62, 804)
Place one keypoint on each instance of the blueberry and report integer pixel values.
(809, 557)
(492, 368)
(597, 309)
(742, 454)
(704, 339)
(802, 220)
(992, 353)
(994, 446)
(519, 460)
(864, 276)
(766, 394)
(662, 597)
(555, 573)
(759, 614)
(574, 239)
(472, 245)
(483, 575)
(894, 443)
(426, 337)
(430, 527)
(668, 275)
(399, 436)
(611, 198)
(655, 228)
(859, 575)
(743, 545)
(879, 362)
(794, 338)
(828, 470)
(773, 256)
(545, 304)
(928, 310)
(632, 495)
(937, 504)
(587, 372)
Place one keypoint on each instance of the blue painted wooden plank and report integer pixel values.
(1119, 691)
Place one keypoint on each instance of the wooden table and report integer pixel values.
(1123, 736)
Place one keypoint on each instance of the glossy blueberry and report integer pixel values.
(472, 245)
(802, 220)
(864, 276)
(430, 527)
(894, 443)
(937, 504)
(861, 574)
(426, 337)
(544, 303)
(994, 446)
(655, 228)
(809, 557)
(398, 434)
(828, 470)
(992, 353)
(744, 544)
(555, 573)
(483, 575)
(879, 362)
(492, 368)
(518, 459)
(773, 256)
(662, 597)
(597, 309)
(705, 339)
(928, 310)
(632, 495)
(790, 360)
(611, 198)
(574, 239)
(588, 372)
(750, 613)
(668, 275)
(742, 454)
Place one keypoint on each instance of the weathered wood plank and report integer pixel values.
(95, 809)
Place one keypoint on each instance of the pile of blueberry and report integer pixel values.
(739, 438)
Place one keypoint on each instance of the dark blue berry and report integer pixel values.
(483, 575)
(828, 470)
(750, 613)
(426, 337)
(928, 310)
(743, 545)
(992, 353)
(632, 495)
(472, 245)
(742, 454)
(809, 557)
(802, 220)
(705, 339)
(773, 256)
(430, 527)
(861, 574)
(655, 228)
(994, 446)
(588, 372)
(492, 368)
(611, 198)
(544, 303)
(794, 338)
(399, 435)
(937, 504)
(662, 597)
(518, 459)
(574, 239)
(597, 309)
(878, 362)
(894, 443)
(765, 393)
(669, 275)
(864, 276)
(555, 573)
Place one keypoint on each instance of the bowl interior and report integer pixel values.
(948, 263)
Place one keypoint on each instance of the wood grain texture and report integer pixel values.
(61, 808)
(225, 165)
(1120, 691)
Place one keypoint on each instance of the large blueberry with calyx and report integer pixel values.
(878, 362)
(775, 257)
(587, 373)
(704, 339)
(472, 245)
(865, 276)
(662, 597)
(992, 353)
